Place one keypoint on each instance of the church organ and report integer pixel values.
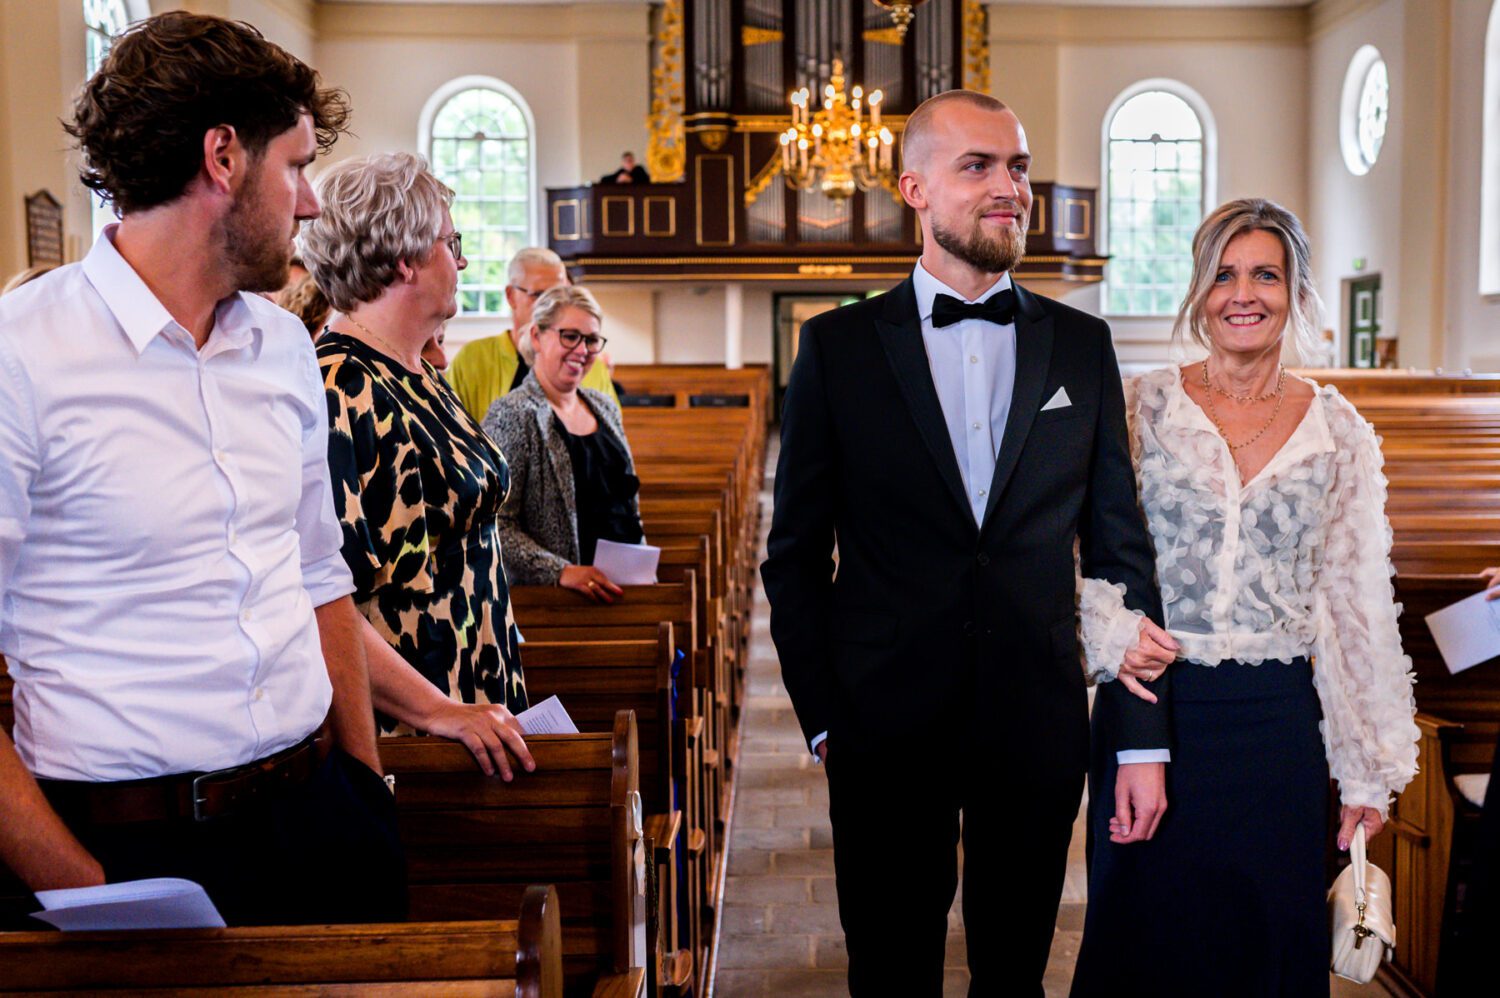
(719, 208)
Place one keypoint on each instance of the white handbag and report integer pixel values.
(1364, 932)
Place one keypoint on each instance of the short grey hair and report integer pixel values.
(1235, 218)
(378, 211)
(551, 304)
(537, 256)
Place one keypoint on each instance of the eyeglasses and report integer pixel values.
(455, 243)
(570, 338)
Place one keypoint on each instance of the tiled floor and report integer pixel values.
(780, 931)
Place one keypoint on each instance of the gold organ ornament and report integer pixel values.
(666, 152)
(839, 146)
(902, 12)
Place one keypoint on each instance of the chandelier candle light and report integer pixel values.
(839, 142)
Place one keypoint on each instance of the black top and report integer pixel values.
(521, 370)
(637, 175)
(603, 489)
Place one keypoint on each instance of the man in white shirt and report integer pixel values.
(173, 602)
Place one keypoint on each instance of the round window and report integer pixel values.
(1366, 110)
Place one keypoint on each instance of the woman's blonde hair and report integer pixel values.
(26, 277)
(1234, 218)
(378, 211)
(550, 305)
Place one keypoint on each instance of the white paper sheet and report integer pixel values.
(627, 564)
(547, 718)
(159, 903)
(1468, 632)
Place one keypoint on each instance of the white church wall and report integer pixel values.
(1356, 218)
(1473, 339)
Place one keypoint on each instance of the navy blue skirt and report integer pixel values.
(1228, 898)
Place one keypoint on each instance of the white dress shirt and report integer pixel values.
(973, 364)
(166, 528)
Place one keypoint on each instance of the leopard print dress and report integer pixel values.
(418, 488)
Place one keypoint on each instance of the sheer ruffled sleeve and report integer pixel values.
(1107, 628)
(1363, 678)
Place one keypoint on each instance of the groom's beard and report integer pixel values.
(989, 254)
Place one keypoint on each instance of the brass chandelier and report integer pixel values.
(839, 146)
(901, 12)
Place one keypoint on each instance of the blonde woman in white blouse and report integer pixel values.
(1264, 496)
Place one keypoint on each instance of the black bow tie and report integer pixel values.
(999, 309)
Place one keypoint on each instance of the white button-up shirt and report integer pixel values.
(973, 364)
(166, 528)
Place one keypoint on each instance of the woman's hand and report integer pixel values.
(1491, 577)
(1352, 818)
(485, 729)
(1150, 657)
(591, 582)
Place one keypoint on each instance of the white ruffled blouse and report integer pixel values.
(1296, 562)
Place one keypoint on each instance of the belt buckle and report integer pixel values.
(198, 799)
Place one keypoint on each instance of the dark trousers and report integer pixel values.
(896, 830)
(326, 851)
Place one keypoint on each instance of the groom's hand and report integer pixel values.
(1140, 801)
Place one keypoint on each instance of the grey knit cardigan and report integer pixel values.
(539, 519)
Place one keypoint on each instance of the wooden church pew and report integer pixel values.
(473, 842)
(519, 958)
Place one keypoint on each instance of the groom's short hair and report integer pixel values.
(914, 137)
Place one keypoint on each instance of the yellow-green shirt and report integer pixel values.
(484, 369)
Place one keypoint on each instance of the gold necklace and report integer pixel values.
(1280, 384)
(382, 340)
(1280, 395)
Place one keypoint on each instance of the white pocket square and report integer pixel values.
(1058, 401)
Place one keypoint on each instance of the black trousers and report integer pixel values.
(326, 851)
(896, 829)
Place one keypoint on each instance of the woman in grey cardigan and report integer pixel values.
(573, 480)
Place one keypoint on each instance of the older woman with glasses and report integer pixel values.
(574, 480)
(416, 483)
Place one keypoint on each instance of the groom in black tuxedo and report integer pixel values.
(952, 439)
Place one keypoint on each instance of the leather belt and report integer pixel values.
(186, 796)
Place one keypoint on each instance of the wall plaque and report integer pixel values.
(44, 230)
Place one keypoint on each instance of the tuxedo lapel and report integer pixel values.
(1033, 357)
(900, 332)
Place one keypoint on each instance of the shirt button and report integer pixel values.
(976, 426)
(233, 535)
(219, 456)
(245, 616)
(983, 493)
(973, 359)
(983, 560)
(260, 693)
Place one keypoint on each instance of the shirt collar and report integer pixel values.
(928, 287)
(140, 313)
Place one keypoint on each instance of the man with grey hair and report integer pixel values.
(486, 369)
(956, 437)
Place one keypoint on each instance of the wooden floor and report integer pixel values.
(780, 933)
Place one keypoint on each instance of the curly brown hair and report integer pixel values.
(140, 119)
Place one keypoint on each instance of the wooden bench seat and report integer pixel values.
(470, 959)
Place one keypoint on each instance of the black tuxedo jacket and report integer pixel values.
(933, 630)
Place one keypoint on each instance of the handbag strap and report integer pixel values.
(1357, 862)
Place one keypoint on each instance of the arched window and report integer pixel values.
(1159, 173)
(1489, 178)
(102, 20)
(477, 133)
